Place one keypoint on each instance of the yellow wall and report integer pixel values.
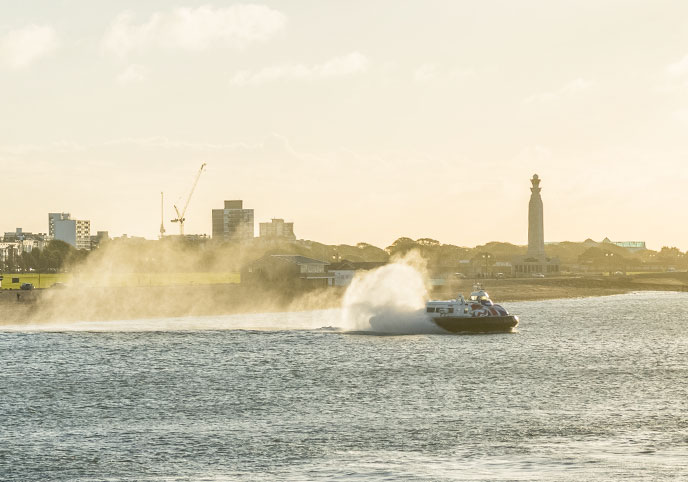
(38, 280)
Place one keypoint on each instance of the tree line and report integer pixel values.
(211, 255)
(52, 259)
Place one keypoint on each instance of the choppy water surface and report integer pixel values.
(587, 389)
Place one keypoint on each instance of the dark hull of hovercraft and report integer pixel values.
(477, 324)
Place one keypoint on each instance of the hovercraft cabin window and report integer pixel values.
(438, 310)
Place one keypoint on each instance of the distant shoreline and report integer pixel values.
(98, 304)
(525, 289)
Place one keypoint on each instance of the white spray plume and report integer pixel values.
(393, 293)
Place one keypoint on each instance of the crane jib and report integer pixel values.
(180, 216)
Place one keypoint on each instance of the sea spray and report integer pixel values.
(321, 320)
(394, 295)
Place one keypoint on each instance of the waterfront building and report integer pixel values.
(535, 260)
(25, 240)
(344, 271)
(12, 236)
(632, 246)
(9, 252)
(276, 270)
(233, 222)
(76, 232)
(277, 229)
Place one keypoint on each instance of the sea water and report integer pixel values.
(585, 389)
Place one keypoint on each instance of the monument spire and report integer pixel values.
(536, 229)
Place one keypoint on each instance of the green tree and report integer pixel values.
(670, 253)
(428, 242)
(56, 253)
(401, 246)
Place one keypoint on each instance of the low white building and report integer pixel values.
(27, 241)
(345, 271)
(342, 277)
(9, 251)
(28, 245)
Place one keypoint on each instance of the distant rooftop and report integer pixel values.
(355, 265)
(234, 204)
(298, 259)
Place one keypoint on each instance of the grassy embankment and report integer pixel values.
(13, 281)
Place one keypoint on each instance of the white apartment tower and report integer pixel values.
(76, 232)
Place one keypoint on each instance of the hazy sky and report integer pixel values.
(356, 120)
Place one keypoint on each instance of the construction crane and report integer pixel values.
(180, 216)
(162, 215)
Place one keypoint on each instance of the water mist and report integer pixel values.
(393, 294)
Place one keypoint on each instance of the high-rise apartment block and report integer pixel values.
(233, 222)
(277, 229)
(76, 232)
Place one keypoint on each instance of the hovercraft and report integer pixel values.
(475, 315)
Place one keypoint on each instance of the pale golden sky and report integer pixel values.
(357, 120)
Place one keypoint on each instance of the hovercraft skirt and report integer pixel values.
(478, 324)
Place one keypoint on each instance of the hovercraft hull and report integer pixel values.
(477, 324)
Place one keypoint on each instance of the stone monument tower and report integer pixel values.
(536, 228)
(534, 262)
